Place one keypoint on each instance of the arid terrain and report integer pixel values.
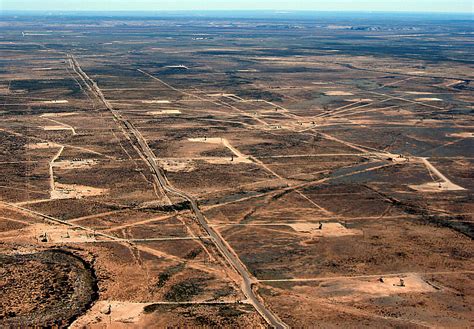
(274, 171)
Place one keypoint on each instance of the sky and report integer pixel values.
(440, 6)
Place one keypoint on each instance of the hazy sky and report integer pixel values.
(465, 6)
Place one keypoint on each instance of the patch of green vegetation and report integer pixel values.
(164, 276)
(227, 311)
(224, 292)
(205, 321)
(265, 291)
(158, 307)
(193, 253)
(184, 291)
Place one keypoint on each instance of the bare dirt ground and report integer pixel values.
(236, 172)
(462, 135)
(112, 313)
(324, 230)
(164, 112)
(75, 191)
(338, 93)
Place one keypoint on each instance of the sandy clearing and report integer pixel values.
(226, 161)
(359, 100)
(54, 233)
(327, 230)
(43, 69)
(56, 128)
(444, 184)
(176, 165)
(393, 157)
(292, 126)
(209, 140)
(415, 121)
(418, 93)
(189, 164)
(348, 290)
(462, 135)
(163, 112)
(40, 146)
(428, 99)
(61, 101)
(157, 101)
(338, 93)
(433, 187)
(60, 234)
(54, 115)
(240, 158)
(177, 67)
(110, 314)
(75, 191)
(220, 95)
(74, 164)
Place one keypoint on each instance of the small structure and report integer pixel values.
(44, 237)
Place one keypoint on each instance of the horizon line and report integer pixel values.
(275, 11)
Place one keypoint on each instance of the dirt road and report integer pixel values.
(144, 150)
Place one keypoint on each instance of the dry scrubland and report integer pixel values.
(236, 173)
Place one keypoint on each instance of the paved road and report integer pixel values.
(223, 247)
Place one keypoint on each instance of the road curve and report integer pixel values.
(147, 153)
